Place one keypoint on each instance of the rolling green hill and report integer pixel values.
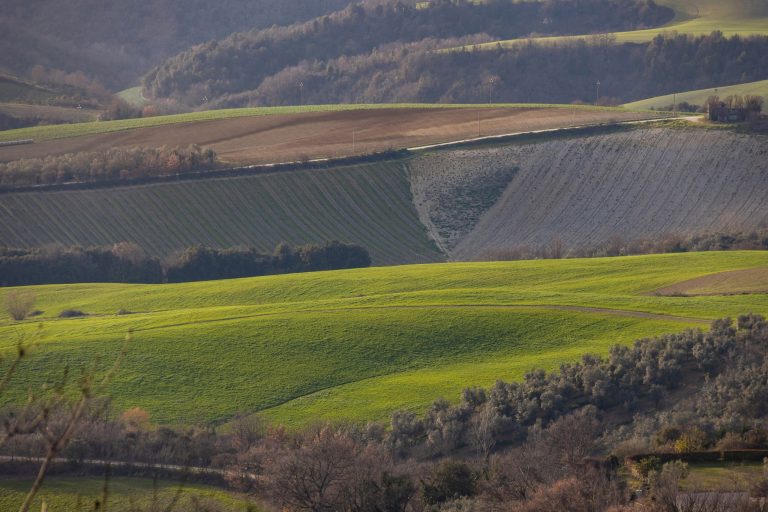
(700, 97)
(696, 17)
(356, 345)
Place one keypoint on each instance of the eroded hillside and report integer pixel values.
(586, 190)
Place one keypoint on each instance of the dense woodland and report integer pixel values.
(243, 61)
(554, 441)
(562, 73)
(128, 263)
(116, 42)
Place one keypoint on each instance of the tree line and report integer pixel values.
(557, 248)
(242, 61)
(554, 441)
(128, 263)
(114, 164)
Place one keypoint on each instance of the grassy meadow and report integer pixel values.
(700, 96)
(62, 494)
(355, 345)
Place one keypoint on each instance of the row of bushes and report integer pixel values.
(557, 248)
(127, 263)
(114, 164)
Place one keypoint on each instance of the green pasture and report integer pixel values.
(722, 477)
(699, 97)
(356, 345)
(133, 96)
(124, 494)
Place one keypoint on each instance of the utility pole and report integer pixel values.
(354, 136)
(301, 93)
(490, 90)
(478, 123)
(674, 104)
(597, 94)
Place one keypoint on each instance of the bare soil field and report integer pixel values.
(724, 283)
(294, 137)
(633, 184)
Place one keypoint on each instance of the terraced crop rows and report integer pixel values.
(368, 204)
(633, 184)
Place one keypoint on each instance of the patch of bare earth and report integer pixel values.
(293, 137)
(641, 183)
(748, 281)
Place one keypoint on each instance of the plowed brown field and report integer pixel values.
(293, 137)
(753, 280)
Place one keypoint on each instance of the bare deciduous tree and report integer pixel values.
(19, 304)
(483, 430)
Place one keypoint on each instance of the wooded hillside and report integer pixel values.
(560, 73)
(117, 42)
(329, 44)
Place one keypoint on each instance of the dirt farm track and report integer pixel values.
(293, 137)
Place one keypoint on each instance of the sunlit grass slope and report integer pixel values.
(699, 97)
(125, 494)
(696, 17)
(356, 345)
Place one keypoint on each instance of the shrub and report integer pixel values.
(451, 480)
(71, 313)
(19, 304)
(135, 419)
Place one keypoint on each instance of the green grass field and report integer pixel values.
(358, 344)
(722, 477)
(133, 97)
(14, 90)
(700, 97)
(696, 17)
(366, 204)
(41, 133)
(79, 494)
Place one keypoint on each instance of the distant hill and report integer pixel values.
(332, 44)
(699, 97)
(692, 17)
(117, 41)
